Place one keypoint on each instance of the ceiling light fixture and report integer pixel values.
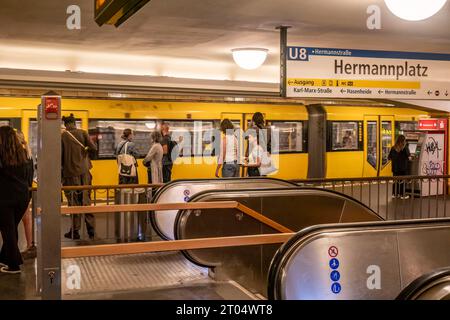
(249, 58)
(415, 10)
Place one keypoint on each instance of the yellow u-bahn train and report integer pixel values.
(315, 141)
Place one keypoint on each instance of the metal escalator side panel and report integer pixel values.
(364, 250)
(183, 190)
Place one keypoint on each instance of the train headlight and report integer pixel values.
(415, 10)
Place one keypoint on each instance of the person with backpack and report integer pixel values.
(127, 154)
(76, 165)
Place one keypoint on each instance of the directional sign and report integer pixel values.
(349, 73)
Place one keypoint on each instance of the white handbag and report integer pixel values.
(127, 163)
(267, 166)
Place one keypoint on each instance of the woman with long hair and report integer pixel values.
(153, 159)
(399, 155)
(16, 170)
(228, 155)
(31, 251)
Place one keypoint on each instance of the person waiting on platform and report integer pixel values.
(228, 155)
(399, 155)
(153, 159)
(171, 151)
(254, 159)
(30, 252)
(127, 154)
(16, 172)
(76, 165)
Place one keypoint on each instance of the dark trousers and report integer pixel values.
(167, 172)
(80, 198)
(398, 188)
(10, 217)
(253, 172)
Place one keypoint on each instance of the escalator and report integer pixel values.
(294, 208)
(369, 261)
(183, 190)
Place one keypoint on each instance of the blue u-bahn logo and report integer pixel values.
(297, 53)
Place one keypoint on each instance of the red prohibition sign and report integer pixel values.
(333, 251)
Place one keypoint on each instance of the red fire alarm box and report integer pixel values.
(52, 107)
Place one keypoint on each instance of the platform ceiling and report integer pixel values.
(193, 38)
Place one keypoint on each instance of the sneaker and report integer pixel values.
(7, 270)
(30, 253)
(394, 196)
(404, 197)
(74, 236)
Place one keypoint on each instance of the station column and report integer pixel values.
(49, 197)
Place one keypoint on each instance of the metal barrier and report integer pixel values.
(108, 228)
(393, 198)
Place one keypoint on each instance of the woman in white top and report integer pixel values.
(153, 159)
(228, 156)
(254, 160)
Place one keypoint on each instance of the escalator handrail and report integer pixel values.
(180, 181)
(422, 282)
(303, 236)
(202, 194)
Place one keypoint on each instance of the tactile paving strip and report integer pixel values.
(125, 272)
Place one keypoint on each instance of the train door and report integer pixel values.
(371, 146)
(378, 139)
(386, 140)
(29, 125)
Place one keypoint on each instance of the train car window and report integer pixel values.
(194, 137)
(291, 135)
(372, 151)
(197, 136)
(386, 141)
(33, 132)
(107, 135)
(344, 136)
(4, 123)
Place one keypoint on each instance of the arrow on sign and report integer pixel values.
(446, 93)
(342, 90)
(380, 91)
(429, 92)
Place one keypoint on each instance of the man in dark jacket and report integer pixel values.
(75, 145)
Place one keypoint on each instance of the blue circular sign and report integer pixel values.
(336, 287)
(334, 263)
(335, 275)
(186, 199)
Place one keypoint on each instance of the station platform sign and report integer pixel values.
(349, 73)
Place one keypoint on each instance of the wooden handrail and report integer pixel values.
(176, 206)
(261, 218)
(173, 245)
(115, 208)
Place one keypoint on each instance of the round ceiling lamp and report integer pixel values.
(249, 58)
(415, 10)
